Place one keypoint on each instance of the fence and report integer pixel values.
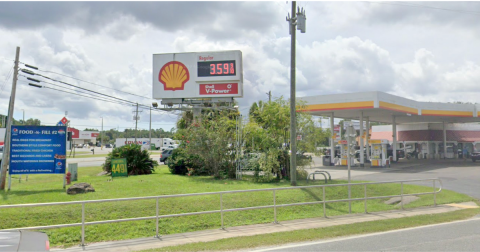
(222, 210)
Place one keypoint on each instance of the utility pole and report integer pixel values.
(23, 116)
(136, 122)
(269, 96)
(101, 137)
(150, 129)
(300, 20)
(6, 153)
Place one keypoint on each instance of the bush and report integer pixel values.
(180, 162)
(138, 161)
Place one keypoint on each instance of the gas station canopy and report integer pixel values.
(381, 107)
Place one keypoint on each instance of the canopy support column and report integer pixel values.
(362, 158)
(394, 131)
(332, 140)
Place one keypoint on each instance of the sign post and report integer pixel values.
(37, 150)
(119, 167)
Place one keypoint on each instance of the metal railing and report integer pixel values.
(222, 210)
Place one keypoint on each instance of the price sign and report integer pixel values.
(119, 167)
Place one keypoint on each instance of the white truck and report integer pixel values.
(169, 144)
(160, 143)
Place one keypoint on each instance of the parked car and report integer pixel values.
(19, 240)
(400, 153)
(302, 155)
(164, 155)
(475, 156)
(357, 154)
(108, 146)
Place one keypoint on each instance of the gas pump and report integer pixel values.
(378, 157)
(344, 153)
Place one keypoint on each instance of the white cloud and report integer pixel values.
(349, 47)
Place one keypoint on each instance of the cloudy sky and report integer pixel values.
(427, 51)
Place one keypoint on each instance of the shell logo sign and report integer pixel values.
(174, 75)
(193, 75)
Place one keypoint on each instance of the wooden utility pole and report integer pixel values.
(6, 153)
(136, 122)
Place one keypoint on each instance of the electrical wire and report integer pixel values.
(79, 91)
(83, 88)
(7, 78)
(89, 82)
(428, 7)
(87, 96)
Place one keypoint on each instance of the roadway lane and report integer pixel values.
(456, 175)
(454, 236)
(98, 161)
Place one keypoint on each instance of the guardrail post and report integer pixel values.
(401, 195)
(157, 236)
(83, 224)
(434, 194)
(221, 209)
(324, 211)
(349, 199)
(274, 207)
(365, 203)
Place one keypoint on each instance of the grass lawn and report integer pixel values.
(248, 242)
(48, 188)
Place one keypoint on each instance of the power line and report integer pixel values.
(79, 91)
(87, 96)
(7, 78)
(81, 88)
(428, 7)
(90, 82)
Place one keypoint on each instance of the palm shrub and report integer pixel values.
(138, 161)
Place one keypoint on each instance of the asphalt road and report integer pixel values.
(456, 175)
(455, 236)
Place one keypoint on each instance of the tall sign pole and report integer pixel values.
(300, 20)
(6, 157)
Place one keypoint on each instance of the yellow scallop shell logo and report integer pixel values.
(174, 75)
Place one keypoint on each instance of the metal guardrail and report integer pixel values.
(222, 210)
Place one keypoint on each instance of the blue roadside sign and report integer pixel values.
(38, 150)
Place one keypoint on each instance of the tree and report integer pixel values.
(213, 140)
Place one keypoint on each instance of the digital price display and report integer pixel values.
(216, 68)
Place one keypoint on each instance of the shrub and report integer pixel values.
(138, 161)
(180, 162)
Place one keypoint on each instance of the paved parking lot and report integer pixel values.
(457, 175)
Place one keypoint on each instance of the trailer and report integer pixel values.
(140, 141)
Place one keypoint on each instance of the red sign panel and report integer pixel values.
(219, 89)
(64, 120)
(95, 134)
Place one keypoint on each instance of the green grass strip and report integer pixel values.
(246, 242)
